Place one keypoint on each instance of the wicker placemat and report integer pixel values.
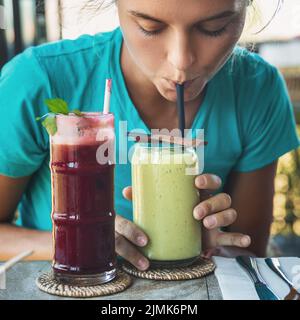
(48, 284)
(200, 268)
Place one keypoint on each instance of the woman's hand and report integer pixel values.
(128, 237)
(216, 212)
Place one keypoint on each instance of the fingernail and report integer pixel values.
(201, 181)
(143, 264)
(210, 222)
(246, 241)
(231, 215)
(142, 241)
(199, 213)
(217, 179)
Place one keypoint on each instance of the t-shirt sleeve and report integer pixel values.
(23, 141)
(269, 128)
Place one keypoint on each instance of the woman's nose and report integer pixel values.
(181, 55)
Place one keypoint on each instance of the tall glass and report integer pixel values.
(83, 213)
(164, 196)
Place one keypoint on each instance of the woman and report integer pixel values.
(239, 99)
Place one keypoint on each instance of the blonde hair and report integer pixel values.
(254, 16)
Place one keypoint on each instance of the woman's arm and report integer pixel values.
(13, 239)
(252, 197)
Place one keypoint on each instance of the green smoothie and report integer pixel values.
(164, 197)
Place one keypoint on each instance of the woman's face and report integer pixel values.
(187, 41)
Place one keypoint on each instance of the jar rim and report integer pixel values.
(88, 114)
(162, 146)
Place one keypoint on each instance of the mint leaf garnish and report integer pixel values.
(50, 124)
(57, 106)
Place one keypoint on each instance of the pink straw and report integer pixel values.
(108, 86)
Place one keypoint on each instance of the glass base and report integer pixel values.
(85, 280)
(172, 263)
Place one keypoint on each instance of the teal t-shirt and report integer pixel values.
(246, 114)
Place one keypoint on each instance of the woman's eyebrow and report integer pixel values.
(221, 15)
(143, 16)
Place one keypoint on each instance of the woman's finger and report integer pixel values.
(127, 193)
(233, 239)
(207, 254)
(205, 194)
(130, 231)
(217, 203)
(220, 219)
(125, 249)
(208, 182)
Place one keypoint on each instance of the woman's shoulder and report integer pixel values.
(51, 64)
(258, 87)
(251, 77)
(84, 43)
(58, 54)
(250, 67)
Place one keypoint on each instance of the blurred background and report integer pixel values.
(24, 23)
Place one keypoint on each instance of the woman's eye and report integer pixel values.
(210, 33)
(213, 33)
(149, 33)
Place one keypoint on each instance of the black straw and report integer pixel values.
(180, 107)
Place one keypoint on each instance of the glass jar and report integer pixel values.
(83, 213)
(164, 196)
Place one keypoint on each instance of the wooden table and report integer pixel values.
(20, 284)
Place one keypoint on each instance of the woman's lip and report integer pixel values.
(186, 83)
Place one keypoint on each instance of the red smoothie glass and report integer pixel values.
(83, 216)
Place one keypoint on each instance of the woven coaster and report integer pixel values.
(48, 284)
(200, 268)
